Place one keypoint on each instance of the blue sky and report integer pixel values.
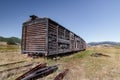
(93, 20)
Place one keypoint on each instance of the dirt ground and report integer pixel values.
(81, 65)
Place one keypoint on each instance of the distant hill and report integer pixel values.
(10, 40)
(103, 43)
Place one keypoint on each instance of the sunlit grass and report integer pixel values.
(82, 66)
(82, 54)
(9, 48)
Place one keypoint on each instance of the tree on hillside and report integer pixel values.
(11, 40)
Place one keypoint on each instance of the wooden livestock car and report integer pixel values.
(46, 37)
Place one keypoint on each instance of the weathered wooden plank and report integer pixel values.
(40, 66)
(41, 73)
(61, 75)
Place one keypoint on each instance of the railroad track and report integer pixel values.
(39, 71)
(11, 63)
(15, 68)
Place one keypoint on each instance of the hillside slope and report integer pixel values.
(10, 40)
(103, 43)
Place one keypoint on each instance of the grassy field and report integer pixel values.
(81, 65)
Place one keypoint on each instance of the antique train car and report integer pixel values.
(43, 36)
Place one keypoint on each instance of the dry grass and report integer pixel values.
(103, 68)
(82, 66)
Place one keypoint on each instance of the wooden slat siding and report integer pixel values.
(23, 45)
(63, 51)
(49, 37)
(60, 36)
(67, 35)
(57, 41)
(25, 37)
(36, 39)
(37, 31)
(81, 45)
(77, 43)
(67, 38)
(52, 37)
(35, 36)
(72, 42)
(60, 32)
(47, 52)
(63, 40)
(36, 45)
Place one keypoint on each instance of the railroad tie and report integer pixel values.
(31, 71)
(61, 75)
(41, 73)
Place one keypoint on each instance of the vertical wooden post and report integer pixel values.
(57, 38)
(24, 35)
(47, 51)
(22, 43)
